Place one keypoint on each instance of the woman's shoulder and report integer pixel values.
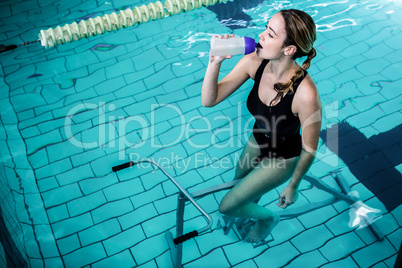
(307, 92)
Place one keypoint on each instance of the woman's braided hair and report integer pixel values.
(300, 32)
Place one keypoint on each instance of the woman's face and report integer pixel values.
(271, 40)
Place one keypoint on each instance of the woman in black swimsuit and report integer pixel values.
(284, 101)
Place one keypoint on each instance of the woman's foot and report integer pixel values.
(262, 228)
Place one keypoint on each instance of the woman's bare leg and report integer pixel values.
(247, 160)
(246, 163)
(239, 201)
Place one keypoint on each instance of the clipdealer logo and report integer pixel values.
(121, 132)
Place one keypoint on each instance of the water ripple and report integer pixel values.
(335, 25)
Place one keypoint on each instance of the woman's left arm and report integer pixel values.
(310, 120)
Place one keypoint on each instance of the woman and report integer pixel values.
(284, 100)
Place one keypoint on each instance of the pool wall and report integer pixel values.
(21, 204)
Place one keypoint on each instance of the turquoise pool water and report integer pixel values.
(71, 113)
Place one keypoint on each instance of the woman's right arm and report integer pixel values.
(213, 92)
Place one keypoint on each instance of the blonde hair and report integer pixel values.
(300, 32)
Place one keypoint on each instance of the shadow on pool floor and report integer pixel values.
(372, 161)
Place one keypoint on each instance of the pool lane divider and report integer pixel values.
(115, 21)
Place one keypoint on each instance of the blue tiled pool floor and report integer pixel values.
(69, 114)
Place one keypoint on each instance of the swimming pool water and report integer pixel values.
(70, 113)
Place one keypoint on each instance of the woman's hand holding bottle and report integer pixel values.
(219, 59)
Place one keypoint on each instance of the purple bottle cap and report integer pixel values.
(249, 45)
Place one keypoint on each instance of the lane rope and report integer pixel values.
(115, 21)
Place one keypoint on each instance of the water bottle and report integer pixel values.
(232, 46)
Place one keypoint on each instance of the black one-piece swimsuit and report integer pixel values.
(276, 128)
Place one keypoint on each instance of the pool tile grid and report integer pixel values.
(84, 190)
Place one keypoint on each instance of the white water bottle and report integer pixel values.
(232, 46)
